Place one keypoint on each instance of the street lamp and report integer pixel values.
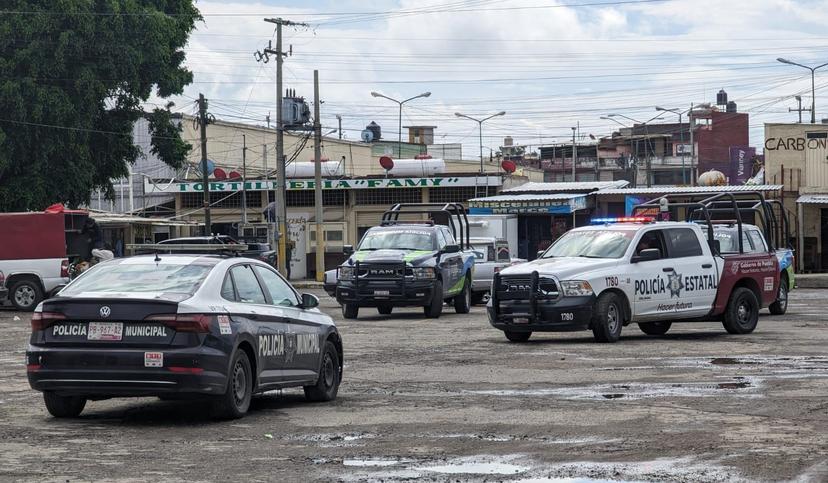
(607, 118)
(625, 117)
(813, 89)
(681, 133)
(399, 139)
(480, 126)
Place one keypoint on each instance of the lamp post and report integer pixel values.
(606, 118)
(480, 126)
(399, 139)
(813, 89)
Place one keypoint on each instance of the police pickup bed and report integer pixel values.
(636, 270)
(410, 263)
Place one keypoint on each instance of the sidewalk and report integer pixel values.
(811, 280)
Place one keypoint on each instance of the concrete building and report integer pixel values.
(795, 157)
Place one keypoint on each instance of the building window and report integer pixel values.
(307, 198)
(388, 196)
(460, 194)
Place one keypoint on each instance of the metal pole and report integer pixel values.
(692, 148)
(800, 258)
(683, 171)
(399, 135)
(280, 159)
(317, 185)
(131, 190)
(574, 151)
(813, 98)
(481, 145)
(244, 179)
(202, 121)
(339, 118)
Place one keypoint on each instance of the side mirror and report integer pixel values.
(348, 250)
(540, 253)
(646, 255)
(715, 246)
(309, 301)
(451, 249)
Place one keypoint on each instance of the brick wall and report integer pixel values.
(713, 143)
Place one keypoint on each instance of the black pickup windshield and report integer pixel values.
(591, 244)
(397, 240)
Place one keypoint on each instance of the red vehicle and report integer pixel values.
(35, 250)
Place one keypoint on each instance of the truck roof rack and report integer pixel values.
(233, 249)
(455, 214)
(710, 209)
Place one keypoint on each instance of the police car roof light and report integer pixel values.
(622, 219)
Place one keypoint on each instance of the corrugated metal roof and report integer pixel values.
(658, 190)
(558, 187)
(531, 197)
(815, 199)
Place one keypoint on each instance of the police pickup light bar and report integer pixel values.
(622, 219)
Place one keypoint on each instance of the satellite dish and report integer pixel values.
(367, 136)
(387, 163)
(211, 166)
(508, 166)
(218, 173)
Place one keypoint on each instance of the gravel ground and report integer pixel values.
(450, 399)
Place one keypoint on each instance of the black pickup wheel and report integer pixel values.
(462, 302)
(435, 307)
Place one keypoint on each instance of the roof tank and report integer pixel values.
(417, 167)
(375, 128)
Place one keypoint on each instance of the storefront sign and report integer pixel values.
(741, 164)
(817, 140)
(328, 184)
(500, 207)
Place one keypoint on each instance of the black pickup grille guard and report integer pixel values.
(382, 271)
(531, 288)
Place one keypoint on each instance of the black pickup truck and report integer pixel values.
(410, 263)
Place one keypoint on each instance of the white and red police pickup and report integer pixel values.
(622, 271)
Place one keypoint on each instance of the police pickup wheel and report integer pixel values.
(435, 307)
(780, 306)
(63, 406)
(327, 385)
(236, 400)
(350, 311)
(608, 318)
(655, 328)
(742, 312)
(462, 302)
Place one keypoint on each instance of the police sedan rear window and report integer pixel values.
(140, 277)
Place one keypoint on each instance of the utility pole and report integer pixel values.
(692, 121)
(317, 178)
(205, 176)
(799, 108)
(574, 153)
(339, 118)
(244, 179)
(281, 218)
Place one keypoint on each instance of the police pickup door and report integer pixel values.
(604, 277)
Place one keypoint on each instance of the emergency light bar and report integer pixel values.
(622, 219)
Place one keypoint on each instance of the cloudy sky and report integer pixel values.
(549, 64)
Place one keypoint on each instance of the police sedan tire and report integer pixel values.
(330, 373)
(608, 318)
(435, 307)
(517, 336)
(385, 309)
(655, 328)
(742, 312)
(462, 302)
(780, 306)
(350, 311)
(25, 295)
(236, 400)
(63, 406)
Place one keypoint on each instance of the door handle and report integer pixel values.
(707, 265)
(668, 269)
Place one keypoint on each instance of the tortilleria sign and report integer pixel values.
(328, 184)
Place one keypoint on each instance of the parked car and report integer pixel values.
(330, 282)
(491, 256)
(181, 326)
(259, 251)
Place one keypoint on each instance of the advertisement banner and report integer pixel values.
(741, 164)
(632, 200)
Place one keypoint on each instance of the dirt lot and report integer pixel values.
(452, 400)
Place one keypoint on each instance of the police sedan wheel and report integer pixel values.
(236, 401)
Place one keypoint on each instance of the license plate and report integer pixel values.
(105, 331)
(153, 359)
(520, 320)
(382, 292)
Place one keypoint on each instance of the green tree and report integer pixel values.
(73, 77)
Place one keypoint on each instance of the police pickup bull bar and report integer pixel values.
(454, 213)
(532, 315)
(701, 208)
(398, 267)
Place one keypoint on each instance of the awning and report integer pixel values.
(660, 190)
(556, 203)
(815, 199)
(555, 188)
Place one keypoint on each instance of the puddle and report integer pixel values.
(476, 468)
(612, 396)
(723, 361)
(367, 462)
(734, 385)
